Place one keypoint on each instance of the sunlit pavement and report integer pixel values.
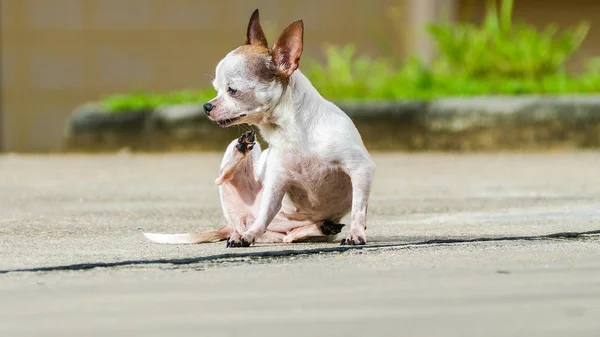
(459, 245)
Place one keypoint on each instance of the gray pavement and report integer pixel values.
(61, 211)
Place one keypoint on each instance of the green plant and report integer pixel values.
(345, 74)
(141, 101)
(500, 47)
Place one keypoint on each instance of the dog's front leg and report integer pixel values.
(361, 176)
(270, 204)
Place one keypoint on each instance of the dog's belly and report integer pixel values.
(318, 197)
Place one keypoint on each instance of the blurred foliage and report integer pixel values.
(498, 57)
(346, 76)
(500, 47)
(140, 101)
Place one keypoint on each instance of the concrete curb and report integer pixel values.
(453, 124)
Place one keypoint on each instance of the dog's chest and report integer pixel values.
(316, 184)
(305, 168)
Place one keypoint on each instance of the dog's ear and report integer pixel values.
(255, 34)
(288, 48)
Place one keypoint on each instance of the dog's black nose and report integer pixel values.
(208, 108)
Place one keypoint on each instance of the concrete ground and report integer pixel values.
(73, 261)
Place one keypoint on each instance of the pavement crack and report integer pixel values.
(295, 252)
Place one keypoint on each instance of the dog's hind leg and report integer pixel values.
(271, 237)
(326, 229)
(240, 185)
(242, 154)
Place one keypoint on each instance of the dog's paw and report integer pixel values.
(330, 228)
(235, 240)
(354, 238)
(246, 142)
(288, 239)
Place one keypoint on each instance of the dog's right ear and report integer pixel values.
(255, 34)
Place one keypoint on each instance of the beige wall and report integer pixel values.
(57, 54)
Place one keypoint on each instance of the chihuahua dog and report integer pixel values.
(316, 169)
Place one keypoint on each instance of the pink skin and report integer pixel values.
(241, 190)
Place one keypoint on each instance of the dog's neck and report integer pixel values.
(287, 124)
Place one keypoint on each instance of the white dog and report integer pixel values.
(316, 169)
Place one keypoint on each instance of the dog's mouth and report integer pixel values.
(229, 121)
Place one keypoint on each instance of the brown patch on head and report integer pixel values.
(260, 62)
(252, 49)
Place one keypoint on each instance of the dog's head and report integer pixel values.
(251, 79)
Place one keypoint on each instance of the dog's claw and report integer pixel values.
(357, 241)
(330, 228)
(236, 243)
(247, 137)
(251, 136)
(246, 141)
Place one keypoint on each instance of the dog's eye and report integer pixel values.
(231, 91)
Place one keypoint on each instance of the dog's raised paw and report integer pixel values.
(330, 228)
(246, 141)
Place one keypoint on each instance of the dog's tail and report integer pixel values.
(191, 238)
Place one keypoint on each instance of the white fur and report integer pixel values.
(316, 169)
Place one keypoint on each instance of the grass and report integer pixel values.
(347, 77)
(498, 57)
(140, 101)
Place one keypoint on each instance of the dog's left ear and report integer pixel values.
(288, 48)
(255, 34)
